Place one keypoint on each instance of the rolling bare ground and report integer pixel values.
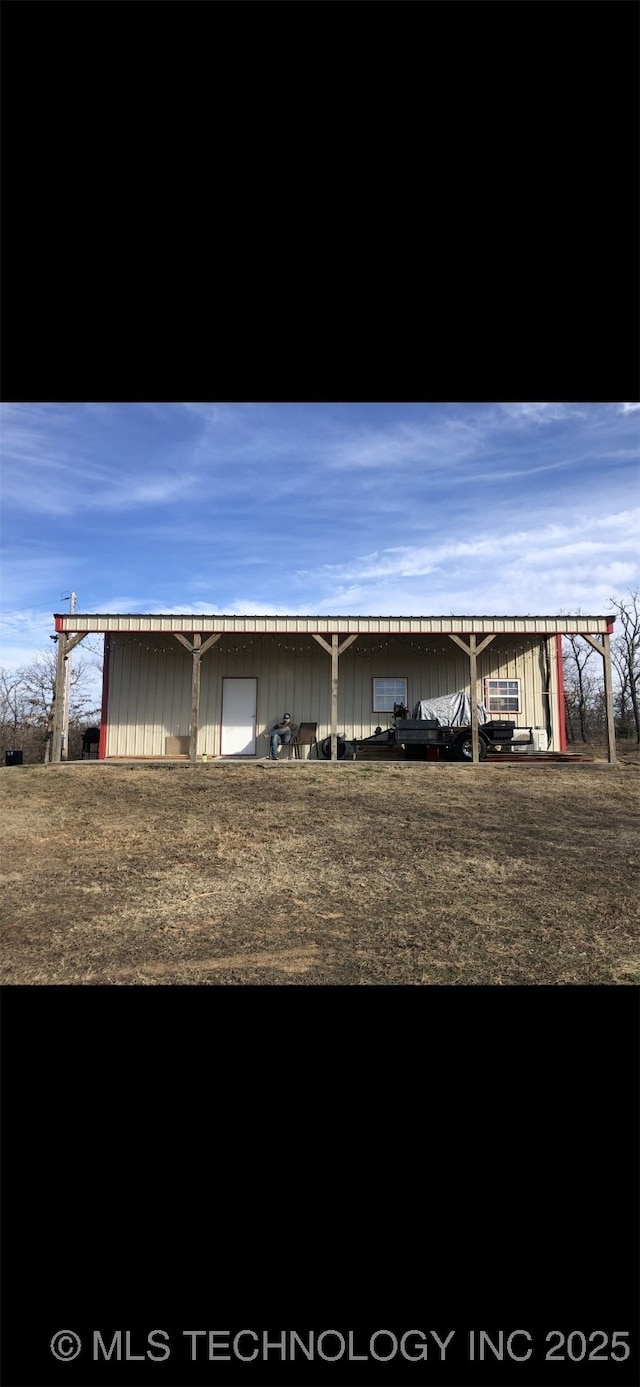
(351, 874)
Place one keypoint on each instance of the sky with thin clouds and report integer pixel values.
(336, 509)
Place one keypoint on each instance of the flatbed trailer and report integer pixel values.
(417, 736)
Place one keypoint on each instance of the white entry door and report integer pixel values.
(239, 707)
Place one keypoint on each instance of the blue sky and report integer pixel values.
(319, 508)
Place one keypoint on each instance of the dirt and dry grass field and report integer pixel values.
(352, 874)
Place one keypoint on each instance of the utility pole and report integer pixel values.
(67, 693)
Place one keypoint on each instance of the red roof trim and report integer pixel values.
(562, 719)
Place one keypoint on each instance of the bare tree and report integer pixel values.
(585, 704)
(27, 701)
(625, 654)
(580, 688)
(11, 702)
(622, 699)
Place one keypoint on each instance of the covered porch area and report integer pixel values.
(164, 676)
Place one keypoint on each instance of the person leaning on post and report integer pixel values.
(280, 734)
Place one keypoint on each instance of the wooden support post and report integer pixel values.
(473, 650)
(196, 650)
(64, 742)
(608, 698)
(334, 696)
(195, 697)
(335, 651)
(605, 651)
(66, 644)
(58, 707)
(473, 679)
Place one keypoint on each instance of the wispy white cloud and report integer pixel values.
(438, 444)
(454, 441)
(25, 633)
(630, 408)
(545, 567)
(48, 466)
(152, 491)
(47, 494)
(248, 606)
(529, 413)
(532, 547)
(26, 627)
(116, 604)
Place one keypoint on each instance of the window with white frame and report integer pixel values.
(386, 692)
(502, 696)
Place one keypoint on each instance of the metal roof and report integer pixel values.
(422, 625)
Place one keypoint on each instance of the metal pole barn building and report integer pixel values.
(210, 685)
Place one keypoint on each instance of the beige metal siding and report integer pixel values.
(428, 674)
(520, 658)
(150, 683)
(149, 696)
(289, 681)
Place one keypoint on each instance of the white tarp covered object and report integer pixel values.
(451, 710)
